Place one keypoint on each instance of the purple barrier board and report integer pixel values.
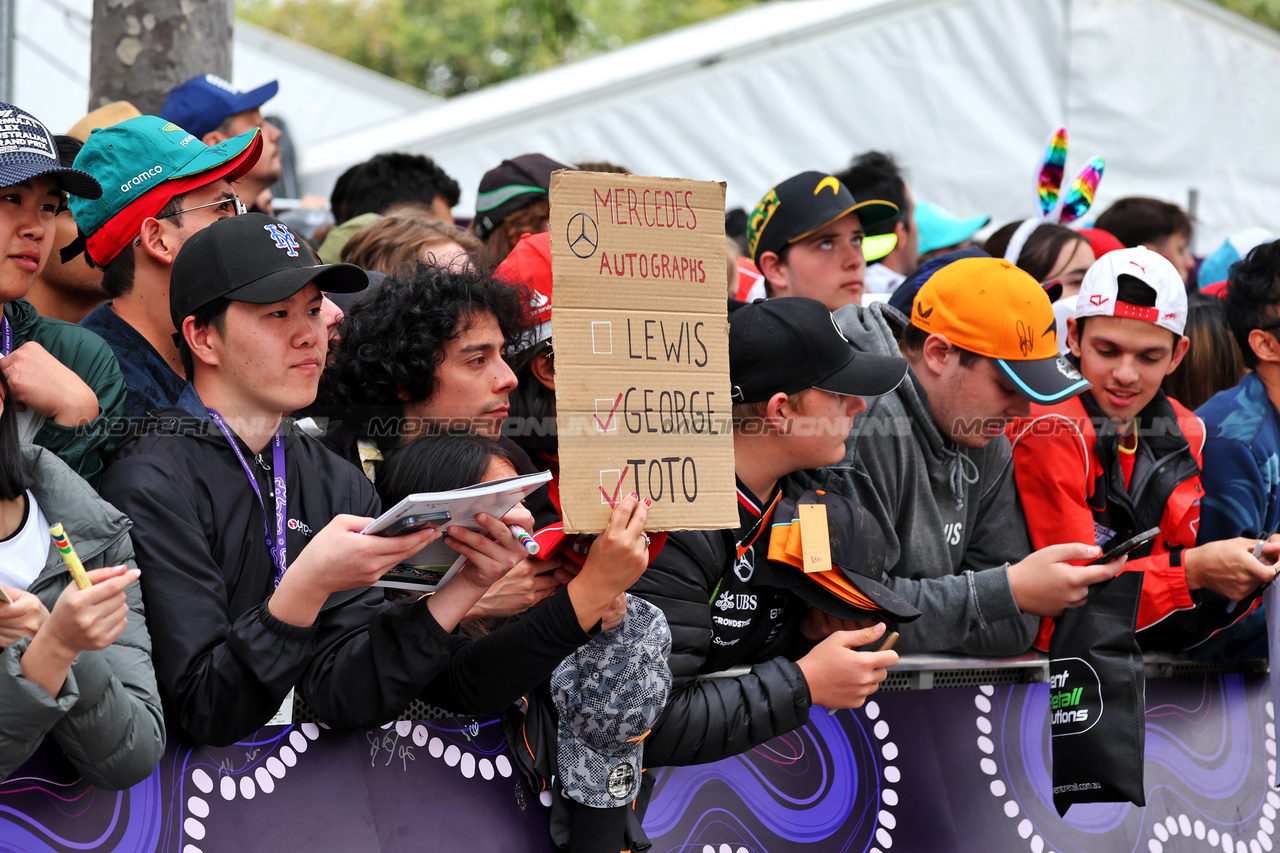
(958, 769)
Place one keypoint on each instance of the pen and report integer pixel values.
(1257, 549)
(530, 544)
(69, 557)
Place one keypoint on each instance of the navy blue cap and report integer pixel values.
(202, 103)
(27, 150)
(905, 293)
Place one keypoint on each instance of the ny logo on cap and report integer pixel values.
(284, 239)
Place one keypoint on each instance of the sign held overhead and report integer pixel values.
(642, 350)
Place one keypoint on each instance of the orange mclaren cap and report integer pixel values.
(991, 307)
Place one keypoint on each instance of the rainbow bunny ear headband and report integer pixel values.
(1048, 183)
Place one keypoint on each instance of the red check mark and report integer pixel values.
(613, 501)
(604, 427)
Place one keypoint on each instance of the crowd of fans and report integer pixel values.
(215, 414)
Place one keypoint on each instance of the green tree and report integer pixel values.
(449, 46)
(1265, 12)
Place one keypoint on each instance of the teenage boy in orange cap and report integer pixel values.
(1122, 457)
(160, 186)
(931, 462)
(806, 236)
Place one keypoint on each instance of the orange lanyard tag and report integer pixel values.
(815, 542)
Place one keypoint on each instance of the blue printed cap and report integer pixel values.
(202, 103)
(27, 150)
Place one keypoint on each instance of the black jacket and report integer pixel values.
(225, 664)
(720, 619)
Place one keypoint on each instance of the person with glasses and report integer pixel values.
(215, 111)
(66, 387)
(1242, 435)
(1123, 458)
(806, 236)
(161, 186)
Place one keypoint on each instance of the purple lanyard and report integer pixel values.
(277, 546)
(6, 335)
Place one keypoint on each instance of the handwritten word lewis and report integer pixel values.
(678, 348)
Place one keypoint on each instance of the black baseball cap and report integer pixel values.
(789, 344)
(857, 554)
(802, 204)
(511, 185)
(250, 258)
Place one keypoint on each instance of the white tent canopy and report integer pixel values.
(320, 95)
(1173, 93)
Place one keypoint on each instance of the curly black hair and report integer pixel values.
(386, 180)
(393, 339)
(1253, 293)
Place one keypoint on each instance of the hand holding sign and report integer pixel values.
(642, 356)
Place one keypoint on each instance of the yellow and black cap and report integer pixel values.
(802, 204)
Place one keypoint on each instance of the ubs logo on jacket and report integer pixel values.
(736, 601)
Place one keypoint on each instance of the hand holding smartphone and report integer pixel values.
(1127, 546)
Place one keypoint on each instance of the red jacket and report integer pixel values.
(1072, 490)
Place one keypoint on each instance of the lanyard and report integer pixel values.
(761, 523)
(6, 335)
(276, 544)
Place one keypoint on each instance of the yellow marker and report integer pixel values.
(69, 556)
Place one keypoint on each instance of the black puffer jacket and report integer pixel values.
(721, 619)
(225, 664)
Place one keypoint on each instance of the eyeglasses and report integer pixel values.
(238, 207)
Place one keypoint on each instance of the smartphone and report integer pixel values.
(1128, 545)
(889, 639)
(414, 523)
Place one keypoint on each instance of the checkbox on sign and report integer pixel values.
(601, 337)
(611, 485)
(605, 411)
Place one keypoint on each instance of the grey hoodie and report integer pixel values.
(951, 515)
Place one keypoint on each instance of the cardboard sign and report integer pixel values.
(642, 350)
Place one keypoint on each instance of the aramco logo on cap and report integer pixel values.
(284, 239)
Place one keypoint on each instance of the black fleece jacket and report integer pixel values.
(225, 664)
